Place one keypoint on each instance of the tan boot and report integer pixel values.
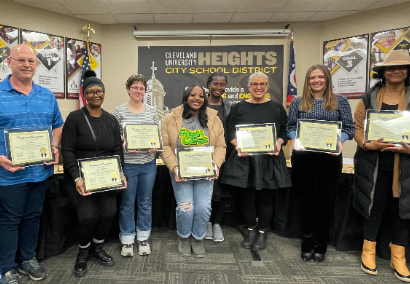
(369, 257)
(398, 262)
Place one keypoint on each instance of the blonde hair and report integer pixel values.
(308, 100)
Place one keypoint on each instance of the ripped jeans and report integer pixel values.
(193, 206)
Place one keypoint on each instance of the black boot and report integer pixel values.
(260, 241)
(307, 248)
(100, 255)
(320, 251)
(250, 237)
(80, 267)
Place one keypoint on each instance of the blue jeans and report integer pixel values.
(196, 195)
(140, 182)
(20, 208)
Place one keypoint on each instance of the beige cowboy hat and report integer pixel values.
(394, 58)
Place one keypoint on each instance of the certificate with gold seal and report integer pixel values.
(391, 125)
(318, 135)
(28, 147)
(256, 139)
(195, 162)
(142, 137)
(101, 173)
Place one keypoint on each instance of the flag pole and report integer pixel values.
(86, 63)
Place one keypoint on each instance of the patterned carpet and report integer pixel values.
(226, 262)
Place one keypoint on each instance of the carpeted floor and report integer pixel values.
(226, 262)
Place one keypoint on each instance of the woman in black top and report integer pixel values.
(95, 212)
(257, 175)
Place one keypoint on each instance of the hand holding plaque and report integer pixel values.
(27, 147)
(101, 173)
(142, 137)
(256, 139)
(195, 163)
(318, 136)
(391, 125)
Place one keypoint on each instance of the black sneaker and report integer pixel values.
(10, 277)
(33, 269)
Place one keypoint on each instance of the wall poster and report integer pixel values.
(75, 50)
(383, 42)
(170, 69)
(49, 50)
(346, 60)
(8, 39)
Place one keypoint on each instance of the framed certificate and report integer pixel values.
(318, 135)
(195, 162)
(101, 173)
(391, 125)
(256, 139)
(142, 137)
(27, 147)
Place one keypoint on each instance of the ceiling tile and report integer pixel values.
(251, 17)
(172, 18)
(213, 18)
(260, 5)
(305, 5)
(386, 3)
(128, 6)
(99, 19)
(51, 5)
(291, 17)
(134, 18)
(218, 6)
(323, 16)
(89, 7)
(167, 6)
(349, 5)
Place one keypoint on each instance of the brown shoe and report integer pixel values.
(369, 257)
(398, 262)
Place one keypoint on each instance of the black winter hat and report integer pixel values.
(90, 79)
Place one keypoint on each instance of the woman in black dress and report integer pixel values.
(257, 176)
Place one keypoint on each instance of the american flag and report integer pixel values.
(292, 89)
(86, 67)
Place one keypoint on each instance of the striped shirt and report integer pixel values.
(124, 116)
(38, 110)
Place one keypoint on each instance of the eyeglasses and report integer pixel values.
(31, 61)
(262, 85)
(93, 93)
(135, 88)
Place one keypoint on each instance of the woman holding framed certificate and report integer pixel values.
(314, 172)
(382, 169)
(257, 176)
(91, 133)
(136, 119)
(190, 125)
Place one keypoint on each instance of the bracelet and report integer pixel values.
(77, 179)
(54, 146)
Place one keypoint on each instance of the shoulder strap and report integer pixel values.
(92, 131)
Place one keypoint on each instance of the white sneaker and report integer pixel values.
(208, 234)
(127, 250)
(144, 248)
(218, 235)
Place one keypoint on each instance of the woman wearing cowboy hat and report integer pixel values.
(382, 178)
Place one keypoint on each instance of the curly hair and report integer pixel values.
(203, 118)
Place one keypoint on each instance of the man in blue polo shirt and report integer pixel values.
(24, 105)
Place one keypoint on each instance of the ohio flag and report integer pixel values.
(292, 89)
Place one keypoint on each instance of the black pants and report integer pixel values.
(385, 203)
(95, 213)
(217, 211)
(313, 177)
(258, 204)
